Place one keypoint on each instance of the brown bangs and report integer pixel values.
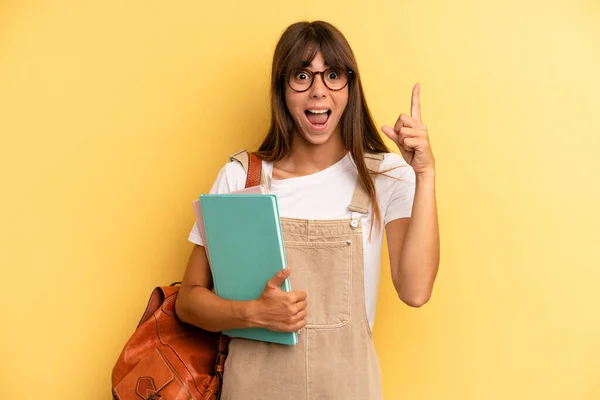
(312, 42)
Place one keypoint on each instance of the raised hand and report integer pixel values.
(412, 138)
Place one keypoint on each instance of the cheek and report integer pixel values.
(291, 100)
(342, 102)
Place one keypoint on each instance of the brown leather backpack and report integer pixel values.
(168, 359)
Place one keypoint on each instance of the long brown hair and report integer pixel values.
(297, 46)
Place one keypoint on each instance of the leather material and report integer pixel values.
(168, 359)
(254, 170)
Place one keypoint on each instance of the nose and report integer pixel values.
(318, 88)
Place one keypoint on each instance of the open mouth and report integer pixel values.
(318, 117)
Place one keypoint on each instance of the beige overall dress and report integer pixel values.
(335, 356)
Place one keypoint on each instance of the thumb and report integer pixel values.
(390, 132)
(281, 276)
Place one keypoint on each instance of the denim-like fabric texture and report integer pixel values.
(335, 358)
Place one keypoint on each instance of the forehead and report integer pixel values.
(317, 62)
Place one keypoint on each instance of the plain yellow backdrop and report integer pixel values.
(115, 115)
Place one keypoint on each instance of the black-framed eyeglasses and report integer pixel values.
(300, 80)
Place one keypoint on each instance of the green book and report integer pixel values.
(245, 246)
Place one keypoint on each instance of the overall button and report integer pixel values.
(354, 224)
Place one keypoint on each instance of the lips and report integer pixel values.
(318, 117)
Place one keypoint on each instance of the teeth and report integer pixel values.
(318, 111)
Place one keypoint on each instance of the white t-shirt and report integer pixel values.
(325, 195)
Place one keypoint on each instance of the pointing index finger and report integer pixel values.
(415, 103)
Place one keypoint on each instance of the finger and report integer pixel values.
(300, 316)
(294, 324)
(415, 103)
(299, 325)
(298, 296)
(406, 132)
(393, 134)
(295, 297)
(280, 277)
(411, 144)
(390, 132)
(399, 124)
(301, 306)
(408, 121)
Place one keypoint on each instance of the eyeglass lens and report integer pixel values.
(302, 79)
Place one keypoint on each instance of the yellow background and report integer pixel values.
(115, 115)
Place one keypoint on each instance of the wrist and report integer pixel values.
(245, 312)
(426, 175)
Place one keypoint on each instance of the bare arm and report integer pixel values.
(198, 305)
(414, 247)
(414, 244)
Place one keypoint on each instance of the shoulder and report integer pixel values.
(234, 169)
(231, 177)
(392, 160)
(394, 166)
(395, 187)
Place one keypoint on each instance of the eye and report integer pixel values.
(333, 75)
(302, 75)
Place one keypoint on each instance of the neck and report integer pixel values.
(307, 158)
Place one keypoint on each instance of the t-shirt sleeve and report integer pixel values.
(231, 177)
(399, 187)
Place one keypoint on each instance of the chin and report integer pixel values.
(316, 138)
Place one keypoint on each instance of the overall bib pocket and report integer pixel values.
(328, 285)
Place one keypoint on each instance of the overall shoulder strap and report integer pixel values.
(360, 199)
(252, 166)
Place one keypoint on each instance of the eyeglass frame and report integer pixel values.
(312, 81)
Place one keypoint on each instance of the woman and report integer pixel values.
(337, 186)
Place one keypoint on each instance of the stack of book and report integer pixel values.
(242, 236)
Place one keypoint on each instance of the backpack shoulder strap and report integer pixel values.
(252, 166)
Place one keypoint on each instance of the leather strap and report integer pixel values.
(252, 165)
(360, 199)
(220, 361)
(157, 298)
(254, 170)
